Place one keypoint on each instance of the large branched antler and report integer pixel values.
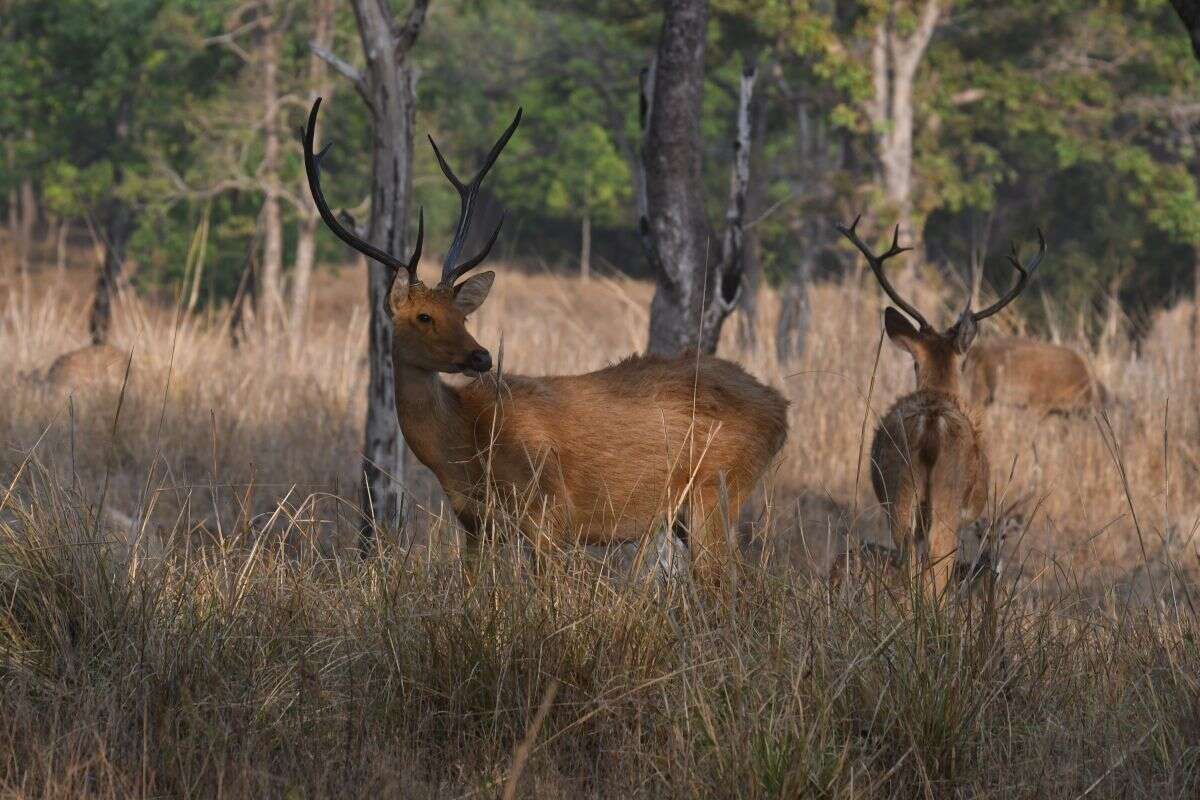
(312, 167)
(468, 193)
(876, 263)
(1022, 279)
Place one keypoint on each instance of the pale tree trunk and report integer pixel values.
(755, 203)
(306, 247)
(698, 278)
(894, 62)
(272, 215)
(117, 228)
(585, 246)
(389, 90)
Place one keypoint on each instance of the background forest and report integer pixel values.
(165, 131)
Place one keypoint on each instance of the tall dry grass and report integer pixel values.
(182, 612)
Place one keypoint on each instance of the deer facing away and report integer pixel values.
(929, 464)
(594, 459)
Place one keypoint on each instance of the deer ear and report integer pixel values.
(900, 330)
(964, 332)
(470, 294)
(398, 294)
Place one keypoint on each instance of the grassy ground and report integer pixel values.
(182, 611)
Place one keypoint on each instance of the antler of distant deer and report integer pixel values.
(1022, 280)
(876, 263)
(468, 193)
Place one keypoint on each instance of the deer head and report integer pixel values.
(429, 322)
(936, 355)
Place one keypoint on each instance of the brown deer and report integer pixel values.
(1045, 377)
(95, 364)
(929, 464)
(595, 459)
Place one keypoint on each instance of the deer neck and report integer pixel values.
(940, 378)
(433, 422)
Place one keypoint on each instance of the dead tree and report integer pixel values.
(894, 61)
(698, 277)
(117, 225)
(388, 87)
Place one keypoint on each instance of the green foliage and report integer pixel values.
(1079, 117)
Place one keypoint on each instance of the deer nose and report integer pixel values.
(480, 360)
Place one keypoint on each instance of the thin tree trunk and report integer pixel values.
(755, 203)
(389, 88)
(306, 247)
(585, 246)
(60, 243)
(272, 216)
(118, 226)
(28, 222)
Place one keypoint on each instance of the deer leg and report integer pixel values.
(902, 519)
(711, 517)
(943, 541)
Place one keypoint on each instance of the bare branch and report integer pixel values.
(407, 35)
(344, 69)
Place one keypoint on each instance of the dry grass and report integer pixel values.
(181, 612)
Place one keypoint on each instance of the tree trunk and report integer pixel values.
(678, 229)
(894, 62)
(698, 279)
(756, 197)
(60, 244)
(118, 226)
(272, 216)
(389, 88)
(585, 246)
(29, 211)
(306, 247)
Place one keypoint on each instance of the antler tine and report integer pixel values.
(312, 168)
(1022, 280)
(876, 263)
(411, 267)
(467, 193)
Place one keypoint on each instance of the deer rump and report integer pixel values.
(928, 465)
(603, 457)
(1031, 374)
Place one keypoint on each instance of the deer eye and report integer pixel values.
(424, 318)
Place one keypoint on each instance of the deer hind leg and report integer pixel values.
(712, 515)
(902, 519)
(944, 514)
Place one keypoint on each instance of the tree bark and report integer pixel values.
(698, 279)
(389, 89)
(894, 62)
(272, 216)
(306, 247)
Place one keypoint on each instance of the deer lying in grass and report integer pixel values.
(87, 366)
(595, 459)
(1045, 377)
(929, 463)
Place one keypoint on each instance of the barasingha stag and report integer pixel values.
(605, 457)
(929, 463)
